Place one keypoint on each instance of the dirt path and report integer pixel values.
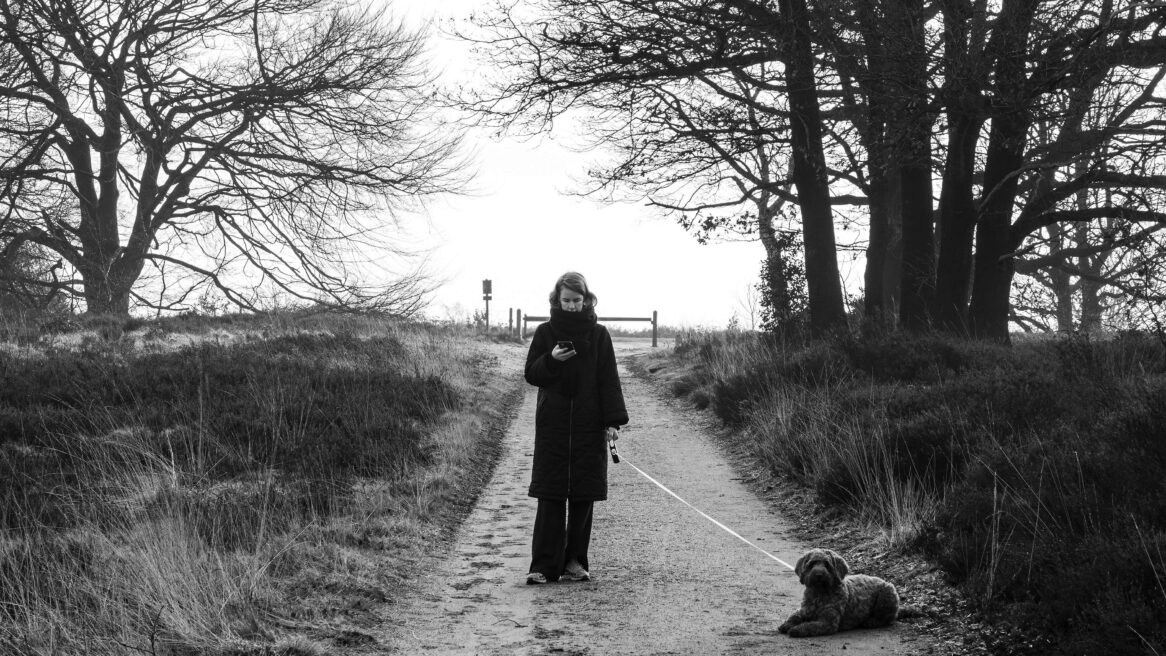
(665, 580)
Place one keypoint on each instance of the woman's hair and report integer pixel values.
(577, 283)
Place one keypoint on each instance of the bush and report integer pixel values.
(929, 449)
(733, 397)
(327, 408)
(1063, 518)
(818, 365)
(898, 357)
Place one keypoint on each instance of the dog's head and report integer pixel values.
(821, 568)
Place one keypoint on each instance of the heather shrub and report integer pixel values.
(896, 357)
(328, 407)
(59, 324)
(818, 365)
(701, 398)
(175, 499)
(930, 449)
(28, 476)
(1042, 521)
(685, 385)
(733, 396)
(1031, 474)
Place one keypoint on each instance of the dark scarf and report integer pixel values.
(577, 327)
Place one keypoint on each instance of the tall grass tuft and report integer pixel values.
(1025, 472)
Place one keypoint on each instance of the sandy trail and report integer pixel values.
(665, 579)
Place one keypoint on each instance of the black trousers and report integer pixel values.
(562, 533)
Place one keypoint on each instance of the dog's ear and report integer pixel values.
(800, 567)
(840, 567)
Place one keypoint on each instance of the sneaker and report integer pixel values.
(575, 572)
(536, 578)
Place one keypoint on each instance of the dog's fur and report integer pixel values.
(835, 602)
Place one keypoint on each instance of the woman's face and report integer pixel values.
(570, 300)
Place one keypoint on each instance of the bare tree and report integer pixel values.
(749, 305)
(238, 140)
(870, 99)
(879, 53)
(692, 71)
(714, 153)
(1025, 91)
(1096, 272)
(1054, 63)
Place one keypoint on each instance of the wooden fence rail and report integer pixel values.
(523, 319)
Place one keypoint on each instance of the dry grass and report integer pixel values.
(794, 430)
(132, 540)
(1022, 472)
(133, 573)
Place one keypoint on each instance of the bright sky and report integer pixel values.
(519, 231)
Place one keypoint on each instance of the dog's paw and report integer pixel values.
(784, 628)
(802, 631)
(908, 611)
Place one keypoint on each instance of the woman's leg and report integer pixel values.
(579, 516)
(549, 537)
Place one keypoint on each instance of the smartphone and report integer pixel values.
(566, 344)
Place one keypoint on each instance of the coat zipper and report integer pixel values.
(570, 439)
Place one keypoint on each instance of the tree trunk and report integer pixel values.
(103, 296)
(994, 264)
(1063, 292)
(110, 293)
(775, 283)
(957, 224)
(918, 263)
(881, 277)
(1062, 282)
(913, 131)
(963, 102)
(884, 253)
(1090, 267)
(827, 312)
(108, 270)
(876, 298)
(892, 272)
(1090, 300)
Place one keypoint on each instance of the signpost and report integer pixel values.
(487, 293)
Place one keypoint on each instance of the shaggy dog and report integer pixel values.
(835, 602)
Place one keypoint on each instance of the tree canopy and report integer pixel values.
(957, 130)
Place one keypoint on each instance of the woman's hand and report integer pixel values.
(612, 434)
(562, 354)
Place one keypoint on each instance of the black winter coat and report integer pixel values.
(570, 436)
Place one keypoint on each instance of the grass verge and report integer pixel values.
(247, 485)
(1030, 474)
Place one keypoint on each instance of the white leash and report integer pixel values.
(728, 530)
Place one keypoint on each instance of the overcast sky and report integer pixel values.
(521, 232)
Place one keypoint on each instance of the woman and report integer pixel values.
(580, 407)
